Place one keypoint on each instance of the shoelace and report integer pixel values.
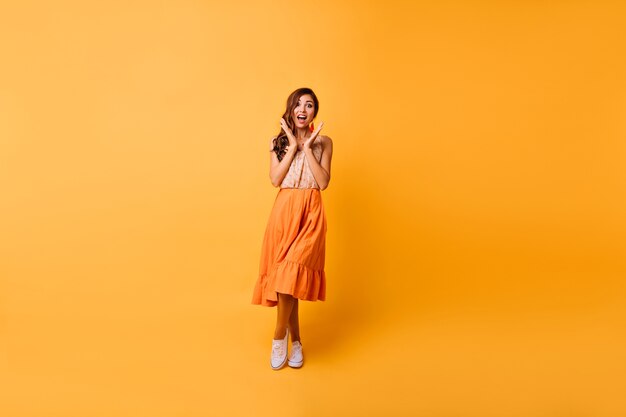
(278, 349)
(296, 351)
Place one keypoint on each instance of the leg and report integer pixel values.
(285, 305)
(294, 325)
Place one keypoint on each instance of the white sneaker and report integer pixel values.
(279, 352)
(296, 359)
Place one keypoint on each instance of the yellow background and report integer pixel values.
(476, 211)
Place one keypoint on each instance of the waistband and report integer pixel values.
(299, 189)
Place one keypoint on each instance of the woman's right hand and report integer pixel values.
(293, 142)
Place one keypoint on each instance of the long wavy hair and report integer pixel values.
(281, 141)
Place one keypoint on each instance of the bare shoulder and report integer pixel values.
(327, 142)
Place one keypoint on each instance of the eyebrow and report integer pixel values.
(308, 101)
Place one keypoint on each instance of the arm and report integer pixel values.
(279, 169)
(321, 170)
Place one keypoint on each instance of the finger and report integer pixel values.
(317, 131)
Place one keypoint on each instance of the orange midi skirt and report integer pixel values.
(293, 250)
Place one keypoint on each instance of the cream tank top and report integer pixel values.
(299, 174)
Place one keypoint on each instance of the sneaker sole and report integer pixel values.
(295, 364)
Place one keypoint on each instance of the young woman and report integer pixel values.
(292, 255)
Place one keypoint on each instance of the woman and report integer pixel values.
(293, 251)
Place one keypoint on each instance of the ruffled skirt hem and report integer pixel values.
(292, 278)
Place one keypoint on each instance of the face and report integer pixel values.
(304, 110)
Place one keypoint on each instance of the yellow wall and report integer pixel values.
(476, 212)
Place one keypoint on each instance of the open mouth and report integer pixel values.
(302, 118)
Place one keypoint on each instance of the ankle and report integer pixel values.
(280, 334)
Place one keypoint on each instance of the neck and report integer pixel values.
(302, 133)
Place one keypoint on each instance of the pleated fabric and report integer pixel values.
(293, 250)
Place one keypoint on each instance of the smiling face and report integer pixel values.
(304, 111)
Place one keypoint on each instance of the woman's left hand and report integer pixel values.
(307, 145)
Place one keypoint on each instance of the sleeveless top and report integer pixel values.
(299, 174)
